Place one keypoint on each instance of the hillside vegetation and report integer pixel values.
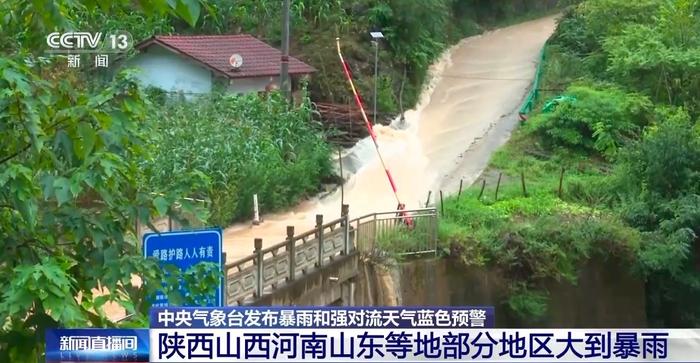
(416, 33)
(83, 157)
(623, 141)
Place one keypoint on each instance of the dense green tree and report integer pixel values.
(666, 162)
(661, 58)
(659, 179)
(25, 23)
(71, 188)
(650, 47)
(605, 18)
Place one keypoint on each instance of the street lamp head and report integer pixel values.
(376, 35)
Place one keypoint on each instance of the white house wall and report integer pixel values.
(246, 85)
(171, 72)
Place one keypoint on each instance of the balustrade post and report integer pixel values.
(319, 235)
(291, 251)
(345, 214)
(374, 231)
(435, 231)
(259, 265)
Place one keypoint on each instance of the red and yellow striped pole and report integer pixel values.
(407, 219)
(346, 69)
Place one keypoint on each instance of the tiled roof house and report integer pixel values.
(193, 64)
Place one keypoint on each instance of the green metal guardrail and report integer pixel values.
(534, 91)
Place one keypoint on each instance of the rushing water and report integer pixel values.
(474, 89)
(475, 85)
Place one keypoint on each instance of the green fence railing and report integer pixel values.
(531, 98)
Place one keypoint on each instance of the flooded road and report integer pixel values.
(465, 112)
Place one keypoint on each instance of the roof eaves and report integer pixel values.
(264, 74)
(147, 43)
(155, 40)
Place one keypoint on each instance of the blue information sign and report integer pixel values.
(185, 249)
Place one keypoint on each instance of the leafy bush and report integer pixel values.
(246, 145)
(635, 64)
(386, 100)
(572, 35)
(532, 240)
(605, 18)
(560, 69)
(668, 257)
(659, 181)
(597, 119)
(665, 162)
(527, 303)
(650, 46)
(661, 59)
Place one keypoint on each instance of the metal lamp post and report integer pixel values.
(376, 36)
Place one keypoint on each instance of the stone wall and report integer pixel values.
(330, 285)
(606, 294)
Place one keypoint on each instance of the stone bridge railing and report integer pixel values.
(267, 269)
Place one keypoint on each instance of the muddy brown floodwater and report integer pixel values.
(464, 113)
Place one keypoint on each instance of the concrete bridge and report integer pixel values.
(319, 267)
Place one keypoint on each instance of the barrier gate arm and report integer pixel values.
(358, 101)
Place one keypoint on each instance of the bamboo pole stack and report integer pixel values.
(343, 123)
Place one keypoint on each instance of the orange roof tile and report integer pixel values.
(214, 51)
